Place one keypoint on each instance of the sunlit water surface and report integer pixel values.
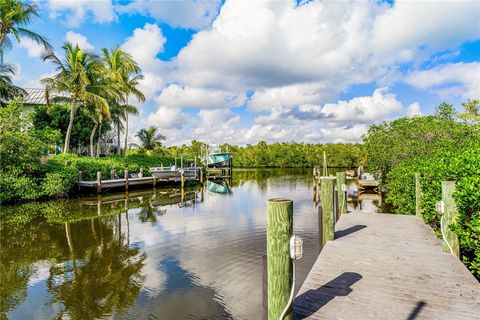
(150, 255)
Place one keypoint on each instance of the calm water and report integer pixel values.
(150, 255)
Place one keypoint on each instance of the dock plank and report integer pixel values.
(384, 266)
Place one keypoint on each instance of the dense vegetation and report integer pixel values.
(442, 147)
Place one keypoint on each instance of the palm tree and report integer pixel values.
(126, 73)
(131, 85)
(79, 75)
(8, 90)
(14, 15)
(149, 138)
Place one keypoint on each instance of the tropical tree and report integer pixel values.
(14, 16)
(150, 138)
(79, 77)
(126, 73)
(8, 90)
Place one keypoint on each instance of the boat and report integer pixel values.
(219, 186)
(166, 173)
(216, 159)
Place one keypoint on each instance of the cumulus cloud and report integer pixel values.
(144, 45)
(191, 14)
(281, 49)
(451, 79)
(75, 12)
(176, 96)
(34, 49)
(78, 39)
(413, 110)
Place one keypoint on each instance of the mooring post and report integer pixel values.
(201, 175)
(342, 191)
(80, 178)
(140, 174)
(182, 179)
(326, 198)
(126, 180)
(99, 181)
(336, 208)
(418, 195)
(320, 228)
(279, 265)
(314, 185)
(112, 174)
(264, 287)
(449, 217)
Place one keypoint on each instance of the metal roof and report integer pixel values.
(39, 96)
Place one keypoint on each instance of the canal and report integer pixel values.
(152, 254)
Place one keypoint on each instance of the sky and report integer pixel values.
(240, 71)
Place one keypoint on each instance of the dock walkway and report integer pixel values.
(383, 266)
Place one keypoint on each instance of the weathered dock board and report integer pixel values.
(384, 266)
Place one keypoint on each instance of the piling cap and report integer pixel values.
(279, 200)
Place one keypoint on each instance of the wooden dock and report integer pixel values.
(383, 266)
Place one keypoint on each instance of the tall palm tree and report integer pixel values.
(14, 16)
(126, 73)
(150, 138)
(79, 76)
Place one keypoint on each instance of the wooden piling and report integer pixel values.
(201, 175)
(183, 186)
(112, 174)
(314, 185)
(326, 198)
(80, 178)
(336, 207)
(449, 217)
(140, 174)
(126, 180)
(99, 181)
(342, 192)
(280, 269)
(320, 228)
(418, 195)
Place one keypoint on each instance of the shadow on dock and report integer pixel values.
(311, 301)
(416, 311)
(346, 232)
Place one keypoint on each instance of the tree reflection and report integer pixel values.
(106, 279)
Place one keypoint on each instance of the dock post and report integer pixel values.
(183, 186)
(320, 228)
(342, 191)
(336, 204)
(314, 185)
(201, 175)
(112, 174)
(279, 265)
(448, 188)
(328, 219)
(80, 179)
(418, 195)
(126, 180)
(140, 174)
(99, 181)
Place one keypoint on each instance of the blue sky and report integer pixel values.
(244, 71)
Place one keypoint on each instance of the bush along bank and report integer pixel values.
(56, 176)
(441, 147)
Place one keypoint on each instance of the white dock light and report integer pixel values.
(296, 247)
(440, 207)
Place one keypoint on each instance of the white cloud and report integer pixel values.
(78, 39)
(144, 45)
(192, 14)
(291, 55)
(75, 12)
(447, 80)
(413, 110)
(33, 48)
(175, 96)
(168, 118)
(363, 109)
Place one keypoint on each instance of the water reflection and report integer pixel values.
(159, 254)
